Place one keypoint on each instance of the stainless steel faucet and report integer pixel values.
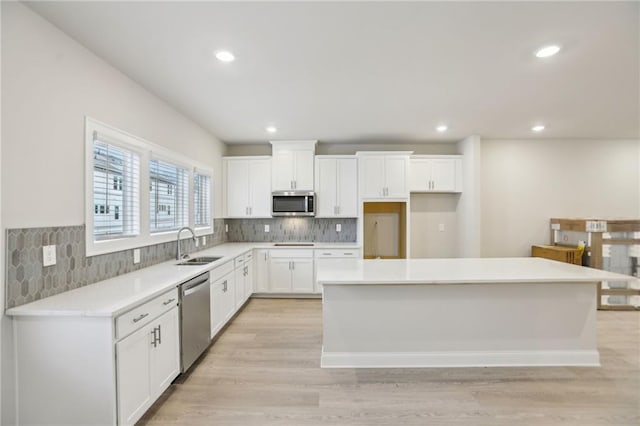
(179, 255)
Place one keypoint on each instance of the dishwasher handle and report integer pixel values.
(194, 288)
(194, 284)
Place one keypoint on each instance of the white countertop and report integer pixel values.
(459, 271)
(116, 295)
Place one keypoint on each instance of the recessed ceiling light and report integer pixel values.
(547, 51)
(271, 129)
(538, 128)
(225, 56)
(442, 128)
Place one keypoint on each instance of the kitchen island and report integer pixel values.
(459, 313)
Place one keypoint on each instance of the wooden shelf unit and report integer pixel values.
(597, 234)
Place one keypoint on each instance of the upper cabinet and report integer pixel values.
(383, 175)
(435, 173)
(336, 186)
(247, 187)
(292, 165)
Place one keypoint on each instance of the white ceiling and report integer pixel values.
(379, 71)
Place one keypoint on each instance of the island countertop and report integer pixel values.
(460, 271)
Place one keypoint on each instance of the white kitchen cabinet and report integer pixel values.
(261, 271)
(243, 278)
(383, 175)
(222, 296)
(329, 258)
(146, 363)
(435, 173)
(247, 187)
(336, 186)
(292, 165)
(291, 271)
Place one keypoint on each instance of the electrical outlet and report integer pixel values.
(204, 240)
(266, 227)
(48, 255)
(136, 256)
(226, 228)
(338, 227)
(441, 227)
(197, 242)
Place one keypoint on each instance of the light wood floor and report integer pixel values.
(265, 370)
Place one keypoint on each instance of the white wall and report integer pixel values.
(50, 83)
(428, 212)
(527, 182)
(469, 206)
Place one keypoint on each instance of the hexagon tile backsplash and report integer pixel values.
(27, 280)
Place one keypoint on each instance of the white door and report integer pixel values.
(261, 270)
(302, 276)
(280, 275)
(237, 187)
(396, 176)
(419, 174)
(133, 376)
(443, 175)
(347, 187)
(248, 279)
(303, 173)
(165, 354)
(371, 176)
(260, 188)
(326, 187)
(228, 305)
(239, 290)
(282, 170)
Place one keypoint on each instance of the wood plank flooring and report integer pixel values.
(265, 370)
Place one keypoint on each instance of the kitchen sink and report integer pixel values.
(293, 244)
(200, 260)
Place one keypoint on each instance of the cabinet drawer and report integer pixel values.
(291, 253)
(145, 313)
(239, 261)
(337, 253)
(221, 271)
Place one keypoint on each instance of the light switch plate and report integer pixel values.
(48, 255)
(266, 227)
(136, 256)
(338, 227)
(441, 227)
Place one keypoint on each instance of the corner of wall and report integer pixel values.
(469, 221)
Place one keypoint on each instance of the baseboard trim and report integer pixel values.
(576, 358)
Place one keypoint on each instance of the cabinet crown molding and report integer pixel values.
(364, 153)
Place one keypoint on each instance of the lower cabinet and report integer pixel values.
(331, 258)
(222, 298)
(147, 361)
(261, 271)
(244, 278)
(291, 271)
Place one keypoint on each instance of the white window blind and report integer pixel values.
(116, 190)
(168, 196)
(202, 199)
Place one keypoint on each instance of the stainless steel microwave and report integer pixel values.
(293, 203)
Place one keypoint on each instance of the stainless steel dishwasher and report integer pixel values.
(195, 319)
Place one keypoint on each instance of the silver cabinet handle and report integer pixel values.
(327, 254)
(250, 211)
(168, 301)
(154, 342)
(338, 209)
(291, 184)
(159, 334)
(224, 286)
(295, 184)
(140, 317)
(293, 265)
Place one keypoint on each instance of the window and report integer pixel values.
(201, 199)
(116, 177)
(169, 191)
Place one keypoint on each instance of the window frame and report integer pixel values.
(146, 151)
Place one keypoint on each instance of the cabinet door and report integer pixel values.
(419, 175)
(222, 302)
(282, 170)
(237, 187)
(133, 375)
(443, 175)
(248, 279)
(326, 187)
(371, 176)
(228, 297)
(261, 271)
(302, 276)
(347, 187)
(165, 354)
(280, 275)
(260, 188)
(239, 282)
(396, 176)
(303, 172)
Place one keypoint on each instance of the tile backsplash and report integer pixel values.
(292, 229)
(27, 280)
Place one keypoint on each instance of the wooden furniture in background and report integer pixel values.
(601, 236)
(559, 253)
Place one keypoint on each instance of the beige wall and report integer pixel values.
(428, 212)
(526, 182)
(50, 82)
